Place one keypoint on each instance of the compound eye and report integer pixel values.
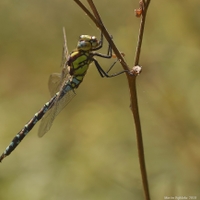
(83, 45)
(94, 41)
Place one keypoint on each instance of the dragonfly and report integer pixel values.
(62, 85)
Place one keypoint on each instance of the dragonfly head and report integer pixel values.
(88, 43)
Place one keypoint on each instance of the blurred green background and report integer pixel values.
(91, 152)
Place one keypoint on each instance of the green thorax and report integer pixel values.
(79, 62)
(80, 59)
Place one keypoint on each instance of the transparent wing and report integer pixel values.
(55, 83)
(50, 115)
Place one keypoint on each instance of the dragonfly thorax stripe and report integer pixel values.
(79, 63)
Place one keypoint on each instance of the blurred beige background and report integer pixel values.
(90, 152)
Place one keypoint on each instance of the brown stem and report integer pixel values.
(134, 104)
(141, 31)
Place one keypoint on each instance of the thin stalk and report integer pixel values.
(134, 103)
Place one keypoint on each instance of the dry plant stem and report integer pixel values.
(131, 80)
(141, 31)
(134, 104)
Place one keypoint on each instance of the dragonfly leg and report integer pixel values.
(105, 74)
(108, 56)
